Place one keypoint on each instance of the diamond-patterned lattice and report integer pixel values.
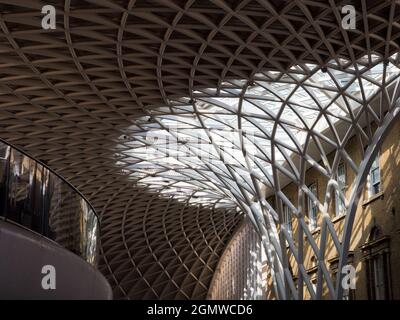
(85, 97)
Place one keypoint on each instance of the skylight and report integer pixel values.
(214, 147)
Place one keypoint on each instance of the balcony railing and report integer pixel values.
(34, 196)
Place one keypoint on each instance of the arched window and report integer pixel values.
(374, 234)
(376, 254)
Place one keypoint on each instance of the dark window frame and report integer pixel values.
(377, 247)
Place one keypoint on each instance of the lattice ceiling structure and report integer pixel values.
(175, 118)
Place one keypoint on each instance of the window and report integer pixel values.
(287, 216)
(376, 253)
(374, 177)
(312, 206)
(341, 179)
(378, 281)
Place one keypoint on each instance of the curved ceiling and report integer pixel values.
(91, 97)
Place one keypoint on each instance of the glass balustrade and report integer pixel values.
(37, 198)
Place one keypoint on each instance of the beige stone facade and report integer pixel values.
(375, 242)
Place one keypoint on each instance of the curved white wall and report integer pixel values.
(23, 254)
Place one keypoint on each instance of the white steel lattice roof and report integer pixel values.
(211, 145)
(201, 106)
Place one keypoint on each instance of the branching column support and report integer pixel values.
(358, 186)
